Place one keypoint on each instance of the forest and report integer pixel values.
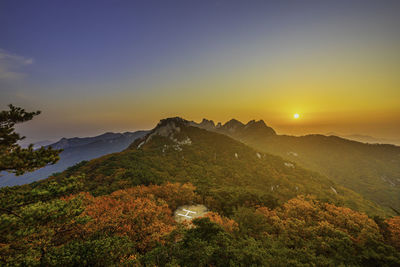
(135, 227)
(118, 210)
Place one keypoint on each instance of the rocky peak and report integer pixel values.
(166, 128)
(233, 125)
(259, 126)
(177, 121)
(207, 124)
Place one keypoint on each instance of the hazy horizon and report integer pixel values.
(30, 138)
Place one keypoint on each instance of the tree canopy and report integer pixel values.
(14, 158)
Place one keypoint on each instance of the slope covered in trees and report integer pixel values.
(135, 227)
(118, 210)
(372, 170)
(220, 168)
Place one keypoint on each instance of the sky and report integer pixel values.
(98, 66)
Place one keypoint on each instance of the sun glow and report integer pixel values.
(296, 116)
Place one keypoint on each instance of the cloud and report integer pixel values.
(11, 65)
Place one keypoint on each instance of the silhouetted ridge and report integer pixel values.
(178, 121)
(207, 124)
(232, 125)
(236, 128)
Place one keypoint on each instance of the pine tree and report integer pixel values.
(13, 158)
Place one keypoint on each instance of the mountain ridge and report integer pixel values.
(236, 128)
(373, 170)
(218, 165)
(76, 149)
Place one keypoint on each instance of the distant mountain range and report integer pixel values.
(75, 150)
(367, 139)
(373, 170)
(237, 129)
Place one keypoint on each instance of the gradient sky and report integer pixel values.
(97, 66)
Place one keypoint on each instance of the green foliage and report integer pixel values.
(227, 199)
(19, 196)
(13, 158)
(27, 234)
(372, 170)
(207, 244)
(251, 223)
(97, 251)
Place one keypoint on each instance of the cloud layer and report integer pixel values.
(11, 65)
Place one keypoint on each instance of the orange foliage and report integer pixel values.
(143, 213)
(306, 216)
(175, 194)
(143, 220)
(394, 231)
(358, 225)
(301, 208)
(226, 223)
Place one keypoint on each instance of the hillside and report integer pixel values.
(373, 170)
(219, 166)
(259, 210)
(75, 150)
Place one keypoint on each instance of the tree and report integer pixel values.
(394, 231)
(25, 239)
(143, 220)
(13, 158)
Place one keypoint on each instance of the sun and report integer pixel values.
(296, 116)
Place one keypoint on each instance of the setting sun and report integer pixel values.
(296, 116)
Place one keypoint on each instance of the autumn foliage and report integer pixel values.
(227, 224)
(145, 221)
(306, 212)
(394, 231)
(135, 227)
(174, 194)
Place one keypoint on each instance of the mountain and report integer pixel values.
(258, 210)
(75, 150)
(37, 144)
(220, 167)
(236, 128)
(373, 170)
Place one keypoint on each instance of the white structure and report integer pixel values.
(187, 213)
